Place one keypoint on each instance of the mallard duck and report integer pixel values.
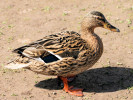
(65, 54)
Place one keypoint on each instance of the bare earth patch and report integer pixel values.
(22, 21)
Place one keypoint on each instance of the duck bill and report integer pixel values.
(108, 26)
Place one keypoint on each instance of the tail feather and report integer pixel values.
(17, 65)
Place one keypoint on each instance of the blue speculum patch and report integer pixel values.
(49, 58)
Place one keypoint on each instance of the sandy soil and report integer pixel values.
(23, 21)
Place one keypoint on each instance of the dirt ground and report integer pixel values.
(23, 21)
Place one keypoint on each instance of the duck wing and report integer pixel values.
(55, 46)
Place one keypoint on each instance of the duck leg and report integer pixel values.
(71, 90)
(71, 78)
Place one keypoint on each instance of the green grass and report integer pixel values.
(36, 82)
(5, 70)
(130, 8)
(14, 94)
(119, 63)
(130, 88)
(85, 98)
(10, 26)
(46, 9)
(106, 33)
(3, 95)
(108, 17)
(102, 4)
(63, 97)
(118, 7)
(10, 39)
(83, 9)
(129, 21)
(4, 22)
(105, 65)
(37, 76)
(65, 14)
(2, 65)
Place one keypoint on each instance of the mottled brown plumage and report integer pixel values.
(78, 52)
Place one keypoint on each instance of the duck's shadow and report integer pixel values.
(107, 79)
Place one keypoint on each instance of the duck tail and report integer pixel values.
(16, 66)
(17, 63)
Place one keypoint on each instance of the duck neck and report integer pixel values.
(87, 32)
(91, 38)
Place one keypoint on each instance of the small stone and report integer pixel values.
(54, 93)
(129, 52)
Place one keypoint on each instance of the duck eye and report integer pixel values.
(101, 19)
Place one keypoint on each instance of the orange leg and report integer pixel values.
(71, 78)
(71, 90)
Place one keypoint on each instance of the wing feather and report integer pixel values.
(65, 44)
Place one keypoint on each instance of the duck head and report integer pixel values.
(96, 19)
